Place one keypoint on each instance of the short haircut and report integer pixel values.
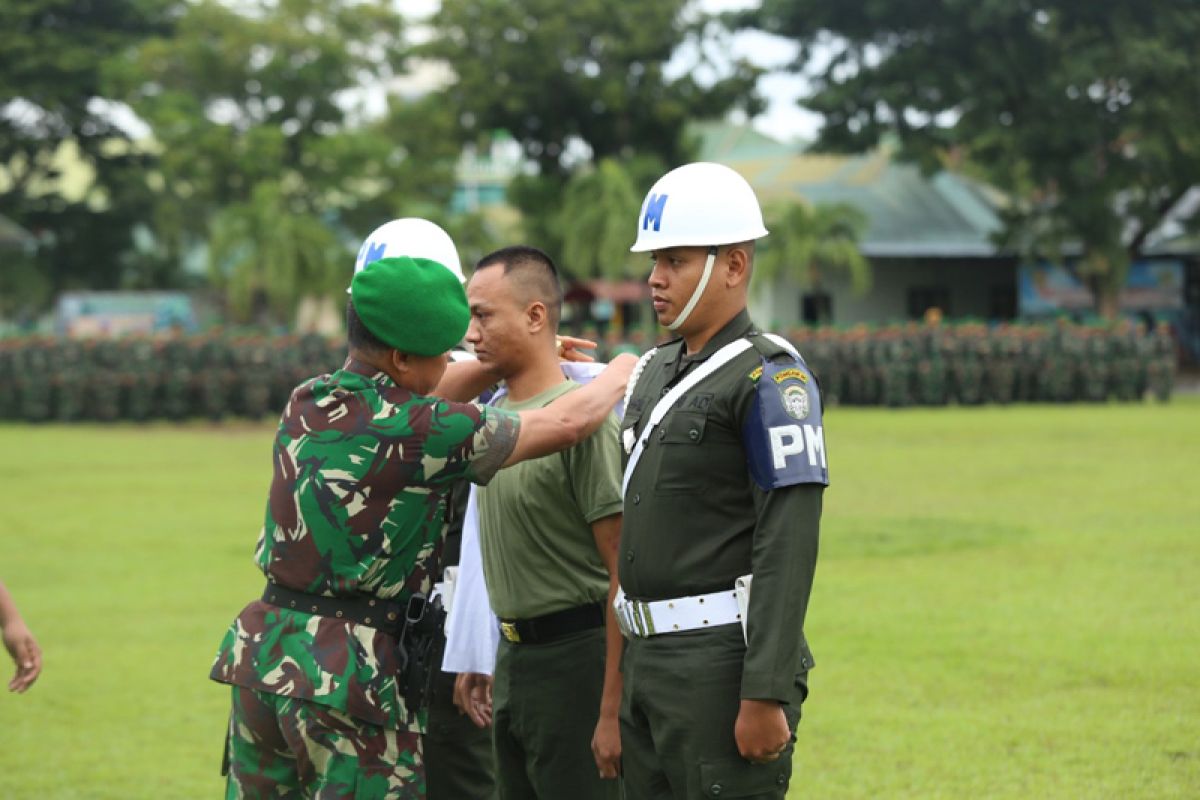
(534, 276)
(357, 335)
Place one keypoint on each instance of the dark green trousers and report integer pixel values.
(458, 755)
(545, 705)
(680, 703)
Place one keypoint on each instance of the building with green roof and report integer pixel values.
(930, 239)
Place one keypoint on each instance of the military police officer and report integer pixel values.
(724, 477)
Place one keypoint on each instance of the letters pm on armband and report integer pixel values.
(784, 433)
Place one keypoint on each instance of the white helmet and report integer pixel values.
(413, 237)
(698, 204)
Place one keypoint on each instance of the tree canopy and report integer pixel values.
(53, 109)
(1085, 111)
(580, 81)
(255, 109)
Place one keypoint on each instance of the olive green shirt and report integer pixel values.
(695, 520)
(535, 534)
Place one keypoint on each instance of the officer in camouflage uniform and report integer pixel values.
(458, 755)
(141, 377)
(727, 484)
(1161, 370)
(1094, 369)
(930, 366)
(34, 380)
(174, 357)
(896, 368)
(70, 381)
(212, 360)
(8, 406)
(254, 358)
(106, 379)
(363, 458)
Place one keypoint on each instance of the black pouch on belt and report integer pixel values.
(420, 650)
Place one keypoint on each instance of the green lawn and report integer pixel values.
(1007, 605)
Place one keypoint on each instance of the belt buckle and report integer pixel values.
(509, 631)
(645, 622)
(623, 618)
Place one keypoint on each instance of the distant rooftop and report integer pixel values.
(909, 214)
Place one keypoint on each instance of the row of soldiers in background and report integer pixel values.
(175, 377)
(215, 375)
(969, 363)
(934, 364)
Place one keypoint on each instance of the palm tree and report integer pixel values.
(597, 221)
(810, 241)
(266, 255)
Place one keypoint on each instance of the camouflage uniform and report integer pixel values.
(177, 378)
(1161, 370)
(70, 381)
(105, 379)
(355, 511)
(141, 378)
(1095, 367)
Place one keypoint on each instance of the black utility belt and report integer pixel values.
(555, 625)
(388, 616)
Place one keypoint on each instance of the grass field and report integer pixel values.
(1007, 604)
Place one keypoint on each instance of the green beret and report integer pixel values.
(415, 305)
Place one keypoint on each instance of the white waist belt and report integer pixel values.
(639, 618)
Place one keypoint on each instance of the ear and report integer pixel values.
(399, 361)
(536, 317)
(737, 267)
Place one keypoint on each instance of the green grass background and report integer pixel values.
(1007, 604)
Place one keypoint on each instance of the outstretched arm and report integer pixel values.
(573, 417)
(19, 642)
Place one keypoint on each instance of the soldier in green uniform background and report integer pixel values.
(33, 380)
(1161, 370)
(930, 366)
(724, 479)
(141, 378)
(363, 458)
(70, 381)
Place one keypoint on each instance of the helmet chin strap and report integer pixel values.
(695, 298)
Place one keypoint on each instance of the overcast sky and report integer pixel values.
(783, 119)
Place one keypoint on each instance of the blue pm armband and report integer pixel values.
(784, 434)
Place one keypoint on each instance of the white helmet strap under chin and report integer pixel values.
(695, 298)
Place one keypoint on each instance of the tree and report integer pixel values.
(582, 80)
(809, 242)
(599, 213)
(267, 256)
(54, 110)
(259, 110)
(1084, 111)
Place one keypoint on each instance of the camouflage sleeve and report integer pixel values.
(475, 451)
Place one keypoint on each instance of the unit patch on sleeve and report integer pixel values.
(784, 433)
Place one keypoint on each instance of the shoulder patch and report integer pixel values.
(755, 374)
(791, 373)
(784, 432)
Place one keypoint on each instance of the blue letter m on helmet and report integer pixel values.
(654, 211)
(371, 252)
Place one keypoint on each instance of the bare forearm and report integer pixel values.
(610, 699)
(8, 609)
(573, 417)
